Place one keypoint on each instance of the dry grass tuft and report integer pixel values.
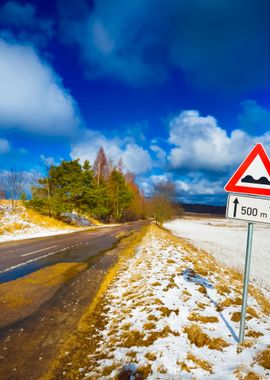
(252, 312)
(167, 312)
(253, 334)
(202, 289)
(261, 299)
(144, 370)
(201, 318)
(156, 283)
(196, 335)
(263, 359)
(223, 289)
(252, 376)
(150, 356)
(12, 227)
(229, 302)
(43, 220)
(134, 338)
(152, 318)
(200, 339)
(200, 363)
(149, 326)
(236, 316)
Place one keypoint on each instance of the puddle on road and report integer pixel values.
(87, 253)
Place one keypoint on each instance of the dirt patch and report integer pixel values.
(21, 297)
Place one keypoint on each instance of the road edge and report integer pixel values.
(127, 248)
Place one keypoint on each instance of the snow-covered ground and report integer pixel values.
(173, 313)
(226, 241)
(35, 232)
(17, 225)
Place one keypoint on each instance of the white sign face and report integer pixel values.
(248, 208)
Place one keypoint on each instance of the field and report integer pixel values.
(226, 241)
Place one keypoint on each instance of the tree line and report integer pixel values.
(102, 191)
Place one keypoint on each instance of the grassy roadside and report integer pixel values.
(147, 314)
(21, 297)
(91, 320)
(21, 219)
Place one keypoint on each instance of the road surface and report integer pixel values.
(18, 258)
(28, 346)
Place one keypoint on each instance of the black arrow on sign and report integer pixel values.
(236, 203)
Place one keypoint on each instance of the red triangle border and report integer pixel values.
(231, 187)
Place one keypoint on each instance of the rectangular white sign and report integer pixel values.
(248, 208)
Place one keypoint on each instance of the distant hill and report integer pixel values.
(204, 209)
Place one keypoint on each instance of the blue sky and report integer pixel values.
(179, 89)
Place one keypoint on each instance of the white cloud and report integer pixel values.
(135, 158)
(202, 186)
(32, 96)
(4, 146)
(200, 144)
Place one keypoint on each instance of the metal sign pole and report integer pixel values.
(246, 281)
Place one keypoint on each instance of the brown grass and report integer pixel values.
(246, 376)
(150, 356)
(167, 312)
(144, 370)
(252, 376)
(236, 316)
(44, 220)
(261, 299)
(200, 339)
(229, 302)
(134, 338)
(201, 318)
(152, 318)
(252, 312)
(223, 289)
(200, 363)
(263, 359)
(29, 216)
(253, 334)
(149, 326)
(12, 227)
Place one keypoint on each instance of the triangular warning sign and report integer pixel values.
(253, 175)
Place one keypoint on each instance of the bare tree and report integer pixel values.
(15, 182)
(48, 163)
(120, 166)
(2, 187)
(100, 166)
(165, 189)
(162, 204)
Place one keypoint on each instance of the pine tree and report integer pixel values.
(120, 196)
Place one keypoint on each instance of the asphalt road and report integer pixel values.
(19, 258)
(28, 346)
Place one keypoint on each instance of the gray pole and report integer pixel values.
(246, 281)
